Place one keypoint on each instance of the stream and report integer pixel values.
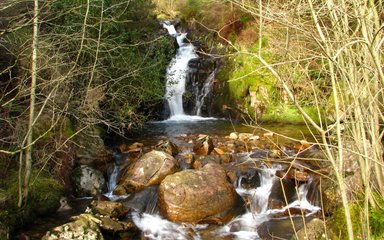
(270, 201)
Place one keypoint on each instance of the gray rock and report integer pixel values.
(88, 181)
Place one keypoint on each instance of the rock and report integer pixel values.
(148, 170)
(293, 174)
(203, 145)
(233, 135)
(91, 150)
(88, 181)
(168, 147)
(108, 208)
(279, 197)
(245, 136)
(278, 228)
(202, 160)
(196, 195)
(84, 227)
(313, 230)
(111, 225)
(143, 201)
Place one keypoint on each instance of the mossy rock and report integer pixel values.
(44, 195)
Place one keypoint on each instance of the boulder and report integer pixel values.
(88, 181)
(84, 227)
(196, 195)
(312, 230)
(282, 193)
(108, 208)
(203, 145)
(111, 225)
(150, 169)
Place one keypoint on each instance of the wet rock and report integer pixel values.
(312, 230)
(112, 225)
(203, 145)
(278, 228)
(108, 208)
(168, 147)
(84, 227)
(293, 174)
(143, 201)
(88, 181)
(196, 195)
(202, 160)
(148, 170)
(283, 192)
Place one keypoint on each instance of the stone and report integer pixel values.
(85, 227)
(283, 192)
(203, 145)
(245, 136)
(293, 173)
(150, 169)
(312, 230)
(202, 160)
(168, 147)
(196, 195)
(91, 150)
(109, 208)
(233, 135)
(88, 181)
(112, 225)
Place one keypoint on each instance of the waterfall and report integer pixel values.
(204, 93)
(176, 76)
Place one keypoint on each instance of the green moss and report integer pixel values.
(288, 114)
(338, 225)
(44, 195)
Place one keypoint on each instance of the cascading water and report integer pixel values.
(177, 72)
(243, 227)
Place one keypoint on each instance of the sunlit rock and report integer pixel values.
(203, 145)
(148, 170)
(84, 227)
(196, 195)
(168, 147)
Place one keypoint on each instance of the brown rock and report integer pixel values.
(203, 145)
(196, 195)
(148, 170)
(293, 173)
(108, 208)
(168, 147)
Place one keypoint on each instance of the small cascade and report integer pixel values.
(243, 227)
(177, 73)
(112, 181)
(204, 93)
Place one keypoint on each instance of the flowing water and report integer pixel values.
(256, 220)
(177, 72)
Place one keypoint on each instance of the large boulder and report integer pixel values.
(196, 195)
(148, 170)
(88, 181)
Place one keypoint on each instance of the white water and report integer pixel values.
(176, 78)
(243, 227)
(205, 91)
(112, 183)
